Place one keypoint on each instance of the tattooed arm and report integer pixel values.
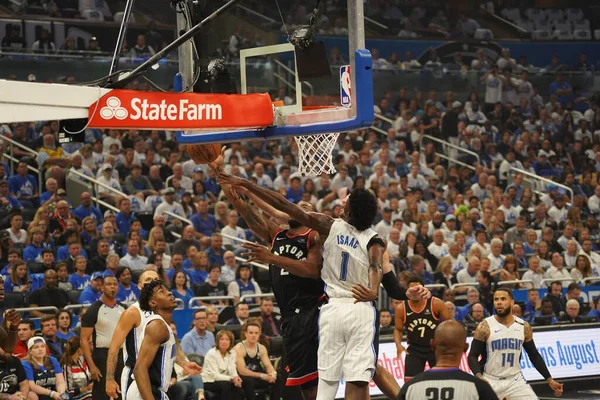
(482, 333)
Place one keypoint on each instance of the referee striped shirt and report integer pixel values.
(446, 384)
(104, 321)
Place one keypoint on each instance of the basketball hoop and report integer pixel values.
(315, 154)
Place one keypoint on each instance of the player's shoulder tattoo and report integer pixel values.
(528, 331)
(482, 332)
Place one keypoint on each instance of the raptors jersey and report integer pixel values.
(420, 323)
(292, 291)
(345, 259)
(504, 348)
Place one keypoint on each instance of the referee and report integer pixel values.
(99, 323)
(446, 380)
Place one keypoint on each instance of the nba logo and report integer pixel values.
(345, 86)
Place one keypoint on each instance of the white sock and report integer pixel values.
(327, 389)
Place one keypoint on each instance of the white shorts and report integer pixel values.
(134, 394)
(125, 379)
(511, 388)
(347, 333)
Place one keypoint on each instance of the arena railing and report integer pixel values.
(436, 286)
(453, 146)
(29, 309)
(539, 180)
(290, 71)
(11, 156)
(384, 119)
(260, 296)
(466, 284)
(591, 279)
(547, 281)
(515, 282)
(193, 300)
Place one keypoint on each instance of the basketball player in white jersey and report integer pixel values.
(129, 328)
(353, 257)
(500, 339)
(154, 365)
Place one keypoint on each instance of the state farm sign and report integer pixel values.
(127, 109)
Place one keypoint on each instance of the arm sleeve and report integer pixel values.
(477, 349)
(536, 359)
(392, 286)
(90, 317)
(484, 390)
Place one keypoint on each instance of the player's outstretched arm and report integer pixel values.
(319, 222)
(482, 333)
(538, 362)
(278, 216)
(262, 228)
(155, 334)
(129, 319)
(8, 332)
(310, 268)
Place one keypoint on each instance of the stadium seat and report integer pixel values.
(226, 314)
(483, 34)
(93, 15)
(581, 24)
(13, 300)
(582, 34)
(542, 25)
(541, 35)
(574, 14)
(29, 214)
(135, 276)
(597, 34)
(562, 25)
(275, 347)
(36, 267)
(555, 14)
(73, 296)
(563, 35)
(525, 24)
(535, 14)
(235, 329)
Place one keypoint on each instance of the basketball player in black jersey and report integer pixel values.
(421, 318)
(294, 266)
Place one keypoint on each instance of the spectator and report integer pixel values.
(43, 372)
(106, 233)
(92, 293)
(48, 326)
(7, 200)
(26, 331)
(141, 49)
(187, 240)
(124, 217)
(48, 296)
(128, 292)
(80, 280)
(582, 269)
(58, 220)
(469, 274)
(133, 259)
(535, 272)
(65, 320)
(417, 267)
(44, 44)
(169, 204)
(533, 304)
(253, 362)
(212, 287)
(198, 274)
(86, 209)
(572, 312)
(241, 314)
(232, 229)
(13, 42)
(138, 183)
(180, 287)
(244, 285)
(24, 187)
(219, 372)
(198, 340)
(215, 251)
(557, 270)
(106, 178)
(555, 297)
(229, 269)
(271, 325)
(77, 374)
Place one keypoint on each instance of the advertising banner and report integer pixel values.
(567, 353)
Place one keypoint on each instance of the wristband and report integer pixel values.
(10, 328)
(50, 395)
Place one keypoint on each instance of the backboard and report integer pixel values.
(349, 90)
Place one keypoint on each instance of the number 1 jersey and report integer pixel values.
(345, 259)
(504, 347)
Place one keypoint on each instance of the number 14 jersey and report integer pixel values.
(504, 347)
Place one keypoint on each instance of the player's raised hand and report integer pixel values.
(418, 293)
(13, 319)
(257, 252)
(363, 294)
(112, 388)
(226, 179)
(218, 162)
(191, 368)
(556, 387)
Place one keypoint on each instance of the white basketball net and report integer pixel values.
(314, 152)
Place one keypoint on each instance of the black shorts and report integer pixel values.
(415, 360)
(300, 343)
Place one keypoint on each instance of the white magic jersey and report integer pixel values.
(504, 347)
(345, 259)
(133, 342)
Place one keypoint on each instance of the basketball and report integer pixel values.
(203, 153)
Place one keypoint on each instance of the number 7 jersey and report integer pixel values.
(345, 259)
(504, 347)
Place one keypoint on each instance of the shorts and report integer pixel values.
(134, 394)
(415, 360)
(511, 388)
(126, 378)
(301, 343)
(347, 332)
